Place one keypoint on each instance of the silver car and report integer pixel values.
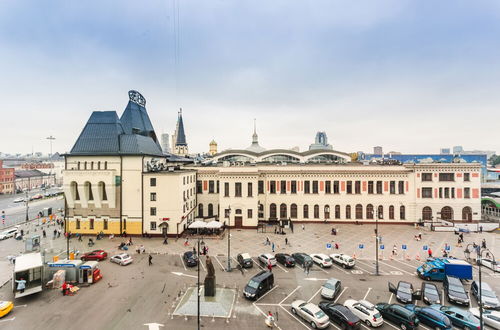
(311, 313)
(122, 259)
(267, 258)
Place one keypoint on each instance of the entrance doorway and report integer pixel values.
(164, 229)
(238, 222)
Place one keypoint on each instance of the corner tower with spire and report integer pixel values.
(179, 143)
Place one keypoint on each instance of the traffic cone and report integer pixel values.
(417, 257)
(354, 255)
(408, 257)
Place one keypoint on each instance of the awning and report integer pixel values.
(198, 224)
(214, 224)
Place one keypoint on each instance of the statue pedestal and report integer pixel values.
(210, 286)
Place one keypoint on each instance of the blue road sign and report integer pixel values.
(381, 247)
(328, 245)
(403, 247)
(425, 247)
(447, 248)
(361, 246)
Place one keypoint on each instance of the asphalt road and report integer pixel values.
(15, 213)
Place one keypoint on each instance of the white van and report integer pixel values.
(8, 233)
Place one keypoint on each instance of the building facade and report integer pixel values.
(33, 179)
(7, 183)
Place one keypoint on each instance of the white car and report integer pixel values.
(122, 259)
(331, 288)
(490, 263)
(311, 313)
(366, 312)
(8, 233)
(343, 260)
(491, 318)
(18, 200)
(267, 258)
(322, 260)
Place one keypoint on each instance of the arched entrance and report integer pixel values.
(447, 213)
(467, 214)
(164, 228)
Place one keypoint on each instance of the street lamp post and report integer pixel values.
(229, 240)
(479, 263)
(376, 243)
(27, 200)
(198, 290)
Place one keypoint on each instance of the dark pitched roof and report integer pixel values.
(135, 120)
(181, 137)
(29, 174)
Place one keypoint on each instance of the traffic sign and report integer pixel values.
(382, 247)
(447, 247)
(361, 246)
(403, 247)
(425, 247)
(329, 246)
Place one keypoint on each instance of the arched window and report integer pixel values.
(99, 165)
(369, 211)
(427, 213)
(78, 167)
(402, 212)
(272, 211)
(210, 210)
(293, 211)
(380, 212)
(200, 210)
(74, 191)
(88, 191)
(327, 212)
(283, 211)
(391, 212)
(306, 211)
(447, 213)
(348, 211)
(467, 214)
(106, 165)
(102, 191)
(359, 211)
(84, 165)
(337, 211)
(316, 211)
(92, 165)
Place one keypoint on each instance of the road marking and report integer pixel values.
(182, 261)
(277, 264)
(385, 322)
(406, 265)
(257, 262)
(366, 294)
(390, 298)
(202, 265)
(345, 288)
(340, 268)
(334, 325)
(182, 274)
(268, 292)
(295, 317)
(20, 306)
(356, 272)
(220, 264)
(289, 294)
(357, 266)
(404, 271)
(265, 315)
(154, 326)
(6, 320)
(314, 295)
(364, 326)
(324, 271)
(395, 272)
(232, 307)
(237, 263)
(315, 279)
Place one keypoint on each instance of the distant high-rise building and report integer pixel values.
(458, 149)
(320, 142)
(179, 143)
(165, 143)
(213, 148)
(444, 151)
(378, 151)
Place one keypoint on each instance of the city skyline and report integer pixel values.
(393, 74)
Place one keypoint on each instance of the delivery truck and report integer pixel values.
(28, 270)
(436, 269)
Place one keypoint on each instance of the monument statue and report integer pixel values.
(210, 279)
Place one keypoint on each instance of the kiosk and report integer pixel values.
(89, 272)
(70, 266)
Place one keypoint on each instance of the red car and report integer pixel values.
(94, 255)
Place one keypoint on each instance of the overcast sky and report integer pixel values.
(411, 76)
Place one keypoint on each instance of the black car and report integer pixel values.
(430, 294)
(455, 291)
(398, 315)
(285, 259)
(190, 259)
(404, 292)
(340, 315)
(302, 259)
(245, 260)
(259, 285)
(488, 296)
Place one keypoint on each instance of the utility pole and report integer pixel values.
(229, 240)
(51, 138)
(27, 200)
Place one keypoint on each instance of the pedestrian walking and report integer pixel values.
(165, 241)
(186, 243)
(44, 234)
(55, 233)
(461, 236)
(238, 266)
(480, 229)
(336, 246)
(194, 250)
(307, 268)
(429, 252)
(275, 230)
(483, 243)
(394, 250)
(268, 242)
(286, 241)
(269, 266)
(21, 284)
(150, 260)
(303, 227)
(272, 246)
(459, 242)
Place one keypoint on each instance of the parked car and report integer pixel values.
(259, 285)
(302, 259)
(5, 307)
(37, 196)
(455, 291)
(311, 313)
(322, 260)
(404, 292)
(398, 315)
(494, 265)
(122, 259)
(267, 258)
(8, 233)
(459, 317)
(430, 293)
(491, 318)
(331, 288)
(190, 259)
(285, 259)
(18, 200)
(343, 260)
(245, 260)
(366, 312)
(431, 317)
(340, 315)
(488, 296)
(94, 255)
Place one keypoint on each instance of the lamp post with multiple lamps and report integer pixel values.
(199, 289)
(229, 239)
(377, 240)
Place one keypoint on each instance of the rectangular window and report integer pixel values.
(392, 187)
(349, 187)
(370, 187)
(199, 187)
(152, 182)
(426, 176)
(261, 186)
(294, 187)
(307, 187)
(226, 213)
(249, 213)
(466, 192)
(446, 176)
(237, 189)
(272, 187)
(77, 223)
(250, 189)
(452, 192)
(152, 211)
(283, 186)
(328, 187)
(440, 192)
(426, 192)
(315, 187)
(379, 187)
(357, 187)
(91, 223)
(446, 192)
(336, 189)
(152, 225)
(152, 197)
(125, 224)
(226, 189)
(105, 224)
(217, 186)
(211, 188)
(466, 176)
(401, 187)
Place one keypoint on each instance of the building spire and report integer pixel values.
(255, 137)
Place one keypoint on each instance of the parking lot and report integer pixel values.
(132, 296)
